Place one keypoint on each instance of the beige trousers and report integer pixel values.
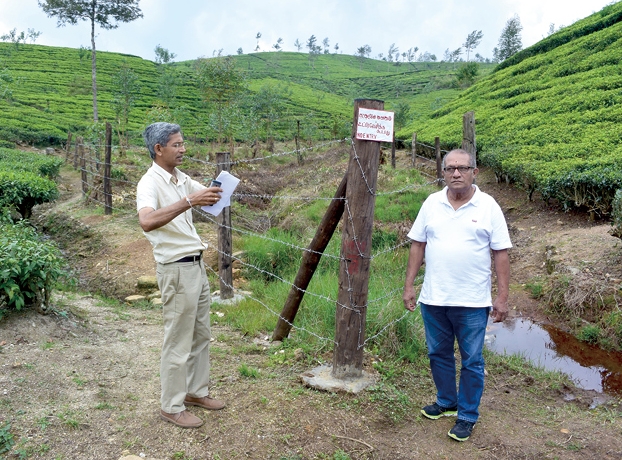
(184, 366)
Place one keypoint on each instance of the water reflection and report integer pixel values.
(588, 366)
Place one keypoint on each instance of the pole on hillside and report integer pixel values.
(107, 172)
(85, 183)
(297, 139)
(68, 146)
(468, 132)
(225, 269)
(393, 152)
(439, 160)
(351, 308)
(76, 154)
(414, 150)
(310, 261)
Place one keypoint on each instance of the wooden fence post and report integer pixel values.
(68, 146)
(225, 269)
(351, 310)
(414, 150)
(76, 153)
(393, 152)
(468, 132)
(85, 183)
(310, 260)
(439, 160)
(300, 161)
(107, 171)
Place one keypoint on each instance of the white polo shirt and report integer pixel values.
(179, 237)
(457, 251)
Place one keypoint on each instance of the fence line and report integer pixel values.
(387, 297)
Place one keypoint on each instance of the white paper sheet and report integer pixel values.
(229, 184)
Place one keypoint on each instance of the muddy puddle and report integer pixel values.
(590, 367)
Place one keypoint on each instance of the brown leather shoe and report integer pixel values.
(183, 419)
(206, 402)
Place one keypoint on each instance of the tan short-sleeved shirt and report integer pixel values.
(179, 237)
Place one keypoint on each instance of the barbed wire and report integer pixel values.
(388, 297)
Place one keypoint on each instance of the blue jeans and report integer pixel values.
(468, 325)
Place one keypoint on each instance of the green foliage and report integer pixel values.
(466, 74)
(248, 372)
(16, 160)
(6, 438)
(550, 123)
(29, 266)
(589, 333)
(275, 254)
(510, 41)
(54, 93)
(24, 190)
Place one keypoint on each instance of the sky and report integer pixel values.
(203, 28)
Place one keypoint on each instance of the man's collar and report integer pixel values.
(474, 199)
(181, 177)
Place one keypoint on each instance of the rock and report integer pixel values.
(155, 295)
(156, 301)
(147, 282)
(135, 298)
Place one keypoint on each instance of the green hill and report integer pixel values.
(550, 117)
(47, 91)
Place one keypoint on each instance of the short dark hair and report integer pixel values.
(472, 161)
(159, 133)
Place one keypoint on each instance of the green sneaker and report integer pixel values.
(461, 430)
(434, 411)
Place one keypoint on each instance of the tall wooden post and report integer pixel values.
(85, 183)
(414, 150)
(351, 308)
(76, 154)
(225, 269)
(439, 160)
(68, 146)
(107, 171)
(297, 140)
(310, 261)
(393, 152)
(468, 132)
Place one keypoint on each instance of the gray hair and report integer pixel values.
(472, 161)
(159, 133)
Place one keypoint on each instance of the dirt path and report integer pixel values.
(84, 384)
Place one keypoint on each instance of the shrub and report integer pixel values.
(29, 266)
(616, 214)
(23, 191)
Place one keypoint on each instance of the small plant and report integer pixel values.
(6, 438)
(535, 288)
(590, 334)
(248, 372)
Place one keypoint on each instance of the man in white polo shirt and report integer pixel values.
(164, 198)
(454, 232)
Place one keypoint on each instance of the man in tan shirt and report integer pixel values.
(164, 199)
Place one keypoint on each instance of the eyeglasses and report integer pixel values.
(461, 169)
(178, 145)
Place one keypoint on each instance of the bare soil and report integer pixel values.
(82, 382)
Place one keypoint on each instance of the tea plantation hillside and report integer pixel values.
(46, 91)
(550, 117)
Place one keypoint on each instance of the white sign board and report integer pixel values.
(375, 125)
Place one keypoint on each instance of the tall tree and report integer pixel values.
(163, 56)
(510, 41)
(472, 41)
(221, 84)
(314, 49)
(125, 88)
(298, 45)
(106, 13)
